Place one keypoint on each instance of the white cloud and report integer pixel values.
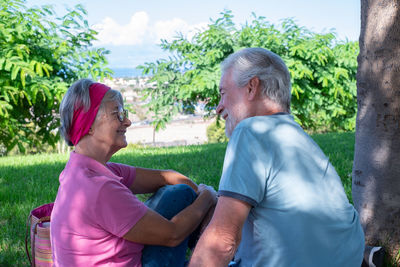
(133, 33)
(140, 31)
(170, 28)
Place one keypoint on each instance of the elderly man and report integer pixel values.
(281, 202)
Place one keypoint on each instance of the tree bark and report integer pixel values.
(376, 169)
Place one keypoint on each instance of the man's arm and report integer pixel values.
(219, 242)
(150, 180)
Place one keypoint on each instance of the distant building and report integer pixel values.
(131, 88)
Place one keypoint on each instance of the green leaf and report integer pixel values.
(23, 78)
(8, 65)
(46, 68)
(39, 69)
(14, 72)
(2, 60)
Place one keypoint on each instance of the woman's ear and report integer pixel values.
(253, 88)
(90, 131)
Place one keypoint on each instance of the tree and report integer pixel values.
(40, 55)
(322, 69)
(376, 169)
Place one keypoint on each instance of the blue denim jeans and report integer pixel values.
(168, 201)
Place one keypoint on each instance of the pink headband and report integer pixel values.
(82, 121)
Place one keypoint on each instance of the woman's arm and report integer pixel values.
(154, 229)
(150, 180)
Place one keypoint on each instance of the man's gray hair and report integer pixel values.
(76, 97)
(270, 69)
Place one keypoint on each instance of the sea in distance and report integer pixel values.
(126, 72)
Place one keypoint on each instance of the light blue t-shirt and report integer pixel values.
(300, 214)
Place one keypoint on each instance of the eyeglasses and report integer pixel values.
(121, 114)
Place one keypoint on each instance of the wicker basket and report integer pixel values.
(39, 226)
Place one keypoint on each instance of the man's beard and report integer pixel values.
(230, 125)
(233, 119)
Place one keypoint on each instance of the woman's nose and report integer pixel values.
(127, 122)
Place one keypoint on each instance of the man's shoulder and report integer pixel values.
(263, 124)
(257, 121)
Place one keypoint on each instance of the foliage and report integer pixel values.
(322, 70)
(32, 180)
(40, 55)
(216, 132)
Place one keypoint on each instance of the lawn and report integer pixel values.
(29, 181)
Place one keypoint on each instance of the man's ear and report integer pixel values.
(253, 88)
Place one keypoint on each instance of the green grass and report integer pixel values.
(339, 147)
(30, 181)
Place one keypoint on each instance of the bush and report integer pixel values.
(40, 55)
(216, 132)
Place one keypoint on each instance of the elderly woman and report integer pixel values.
(97, 219)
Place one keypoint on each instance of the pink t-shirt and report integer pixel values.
(94, 208)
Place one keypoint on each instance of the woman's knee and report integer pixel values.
(178, 191)
(171, 199)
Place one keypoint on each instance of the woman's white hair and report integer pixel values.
(76, 97)
(270, 69)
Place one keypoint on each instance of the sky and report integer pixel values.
(132, 29)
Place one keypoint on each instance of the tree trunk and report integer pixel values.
(376, 169)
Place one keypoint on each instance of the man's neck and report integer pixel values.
(265, 106)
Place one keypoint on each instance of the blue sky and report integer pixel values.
(131, 29)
